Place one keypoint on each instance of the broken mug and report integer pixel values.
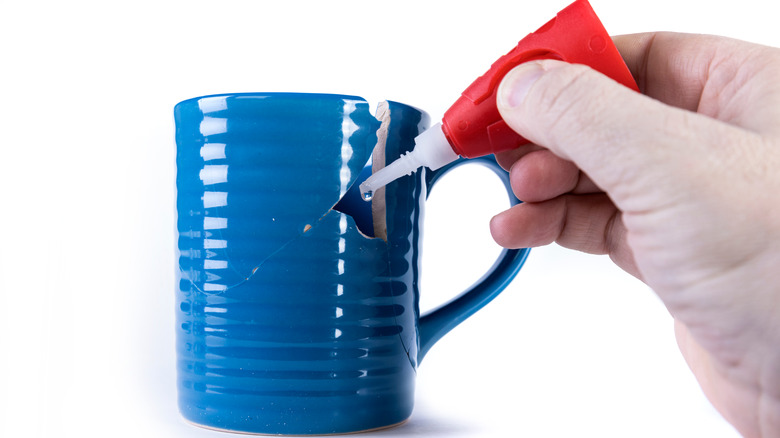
(297, 302)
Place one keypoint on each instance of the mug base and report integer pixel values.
(242, 432)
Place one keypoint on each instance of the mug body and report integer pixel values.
(291, 319)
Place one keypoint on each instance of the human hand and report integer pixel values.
(680, 186)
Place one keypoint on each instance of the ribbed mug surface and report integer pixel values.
(289, 319)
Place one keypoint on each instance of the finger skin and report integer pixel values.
(541, 175)
(668, 67)
(507, 158)
(707, 74)
(589, 223)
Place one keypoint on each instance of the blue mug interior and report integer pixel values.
(352, 204)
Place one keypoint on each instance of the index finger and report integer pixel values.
(726, 79)
(670, 67)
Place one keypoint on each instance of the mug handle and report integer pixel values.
(438, 322)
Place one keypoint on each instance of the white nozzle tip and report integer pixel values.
(431, 150)
(367, 190)
(404, 165)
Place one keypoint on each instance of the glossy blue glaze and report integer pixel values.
(289, 319)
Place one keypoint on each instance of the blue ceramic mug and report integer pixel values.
(297, 302)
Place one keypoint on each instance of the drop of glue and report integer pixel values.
(367, 195)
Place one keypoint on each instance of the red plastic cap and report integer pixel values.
(473, 125)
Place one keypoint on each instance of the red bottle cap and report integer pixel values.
(473, 125)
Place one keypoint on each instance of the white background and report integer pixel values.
(573, 347)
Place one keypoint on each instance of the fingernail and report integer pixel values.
(515, 85)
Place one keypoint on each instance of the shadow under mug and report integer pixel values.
(290, 318)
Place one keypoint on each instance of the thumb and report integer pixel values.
(625, 142)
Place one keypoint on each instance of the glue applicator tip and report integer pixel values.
(431, 150)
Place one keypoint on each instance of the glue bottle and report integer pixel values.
(473, 127)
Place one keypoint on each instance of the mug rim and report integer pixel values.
(308, 95)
